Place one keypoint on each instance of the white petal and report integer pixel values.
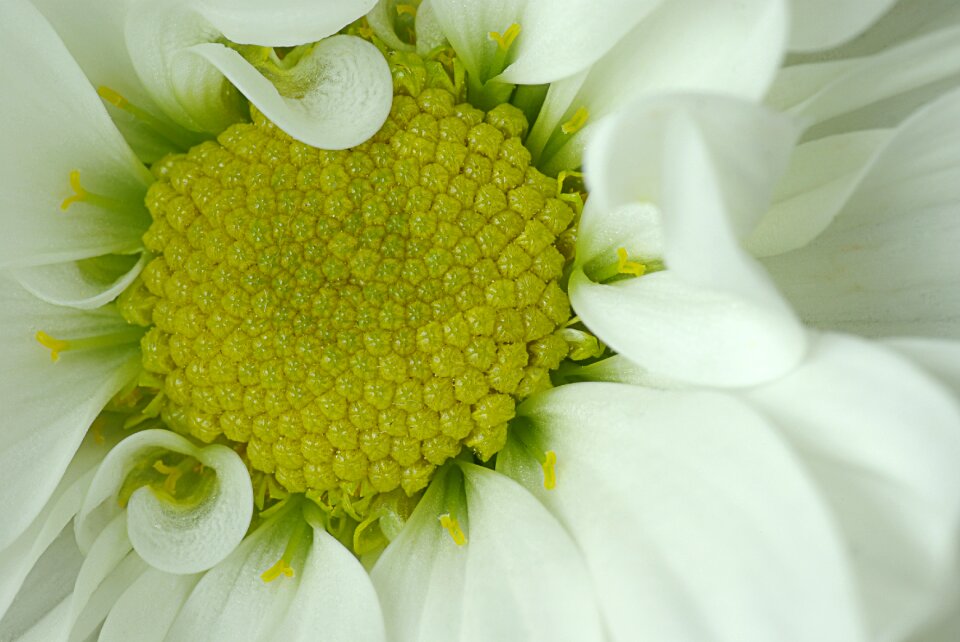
(713, 317)
(696, 522)
(130, 569)
(191, 91)
(49, 406)
(819, 92)
(347, 91)
(72, 285)
(17, 559)
(50, 627)
(93, 32)
(335, 596)
(175, 539)
(281, 22)
(822, 176)
(55, 124)
(147, 609)
(635, 226)
(424, 556)
(467, 25)
(939, 358)
(819, 24)
(882, 441)
(232, 602)
(382, 19)
(429, 32)
(887, 265)
(48, 585)
(518, 577)
(685, 45)
(563, 37)
(685, 333)
(108, 562)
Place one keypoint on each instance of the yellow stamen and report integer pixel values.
(112, 97)
(173, 475)
(56, 346)
(278, 569)
(576, 123)
(625, 266)
(549, 465)
(505, 40)
(79, 193)
(408, 9)
(179, 137)
(97, 429)
(453, 528)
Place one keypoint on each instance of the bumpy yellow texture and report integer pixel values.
(354, 317)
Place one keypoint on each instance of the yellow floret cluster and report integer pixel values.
(354, 317)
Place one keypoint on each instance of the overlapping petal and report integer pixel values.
(55, 126)
(49, 406)
(733, 48)
(881, 439)
(819, 24)
(329, 594)
(887, 263)
(695, 520)
(712, 290)
(872, 91)
(517, 576)
(54, 520)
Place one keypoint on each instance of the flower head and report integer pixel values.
(288, 315)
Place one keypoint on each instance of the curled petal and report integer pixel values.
(281, 23)
(344, 86)
(70, 284)
(172, 538)
(713, 317)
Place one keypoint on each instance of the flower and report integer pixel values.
(155, 472)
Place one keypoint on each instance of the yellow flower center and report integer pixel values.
(355, 317)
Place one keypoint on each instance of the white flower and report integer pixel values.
(613, 511)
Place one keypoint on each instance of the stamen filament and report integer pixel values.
(521, 429)
(454, 497)
(625, 266)
(178, 137)
(82, 195)
(408, 9)
(452, 526)
(56, 346)
(505, 40)
(275, 571)
(576, 122)
(282, 567)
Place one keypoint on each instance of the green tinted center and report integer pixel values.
(354, 318)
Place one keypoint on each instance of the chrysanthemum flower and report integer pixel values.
(289, 353)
